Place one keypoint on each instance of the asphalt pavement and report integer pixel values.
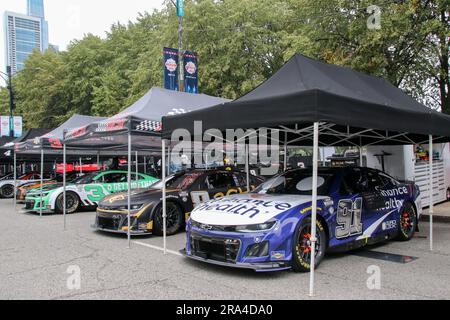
(40, 260)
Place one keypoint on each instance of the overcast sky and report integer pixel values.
(71, 19)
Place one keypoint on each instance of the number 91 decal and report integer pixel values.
(349, 219)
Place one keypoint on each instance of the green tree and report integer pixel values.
(4, 101)
(39, 91)
(240, 43)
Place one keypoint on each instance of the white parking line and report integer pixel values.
(157, 248)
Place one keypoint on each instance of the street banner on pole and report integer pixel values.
(180, 8)
(171, 69)
(4, 126)
(18, 127)
(191, 72)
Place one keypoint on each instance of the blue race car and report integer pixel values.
(270, 228)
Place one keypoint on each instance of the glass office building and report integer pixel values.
(35, 8)
(24, 33)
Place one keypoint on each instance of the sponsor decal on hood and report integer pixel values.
(246, 209)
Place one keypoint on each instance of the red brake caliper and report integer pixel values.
(306, 247)
(406, 221)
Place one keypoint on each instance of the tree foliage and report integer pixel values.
(240, 43)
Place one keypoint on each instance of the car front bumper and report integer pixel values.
(35, 204)
(257, 267)
(265, 251)
(117, 222)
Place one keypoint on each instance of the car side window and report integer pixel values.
(240, 179)
(374, 181)
(220, 180)
(352, 182)
(115, 178)
(388, 181)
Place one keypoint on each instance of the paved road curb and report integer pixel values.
(440, 219)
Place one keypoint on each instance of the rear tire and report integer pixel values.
(72, 203)
(301, 258)
(408, 222)
(7, 191)
(174, 220)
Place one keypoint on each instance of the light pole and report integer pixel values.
(12, 104)
(179, 5)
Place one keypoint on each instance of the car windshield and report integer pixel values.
(296, 183)
(88, 178)
(179, 181)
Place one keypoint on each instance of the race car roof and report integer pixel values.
(142, 119)
(305, 91)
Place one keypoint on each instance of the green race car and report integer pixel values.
(85, 191)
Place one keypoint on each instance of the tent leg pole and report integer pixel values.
(285, 152)
(81, 166)
(137, 165)
(145, 165)
(64, 187)
(361, 152)
(15, 181)
(360, 156)
(247, 166)
(164, 201)
(169, 160)
(129, 190)
(98, 161)
(431, 211)
(42, 181)
(314, 210)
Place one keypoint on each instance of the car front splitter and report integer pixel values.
(257, 267)
(133, 233)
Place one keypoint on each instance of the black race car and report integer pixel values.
(184, 192)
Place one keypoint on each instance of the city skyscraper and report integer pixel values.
(24, 33)
(35, 8)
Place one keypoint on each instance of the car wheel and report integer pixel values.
(72, 203)
(8, 191)
(301, 260)
(408, 222)
(174, 220)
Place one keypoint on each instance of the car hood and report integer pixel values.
(47, 188)
(247, 209)
(139, 196)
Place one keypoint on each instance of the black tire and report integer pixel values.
(72, 203)
(7, 191)
(301, 258)
(174, 220)
(408, 222)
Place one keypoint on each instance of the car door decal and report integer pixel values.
(95, 193)
(198, 197)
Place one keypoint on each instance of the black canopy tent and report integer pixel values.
(30, 134)
(138, 128)
(52, 141)
(142, 121)
(305, 91)
(315, 104)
